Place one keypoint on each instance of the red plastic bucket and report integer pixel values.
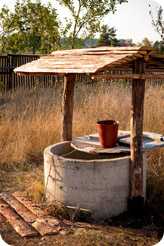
(108, 132)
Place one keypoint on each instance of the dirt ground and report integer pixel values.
(23, 177)
(102, 236)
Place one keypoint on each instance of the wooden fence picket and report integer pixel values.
(11, 81)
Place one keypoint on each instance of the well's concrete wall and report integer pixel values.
(99, 185)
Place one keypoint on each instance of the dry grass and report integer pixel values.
(30, 121)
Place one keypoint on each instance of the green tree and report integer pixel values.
(31, 27)
(107, 36)
(159, 46)
(86, 16)
(158, 21)
(146, 42)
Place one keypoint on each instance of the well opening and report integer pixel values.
(79, 155)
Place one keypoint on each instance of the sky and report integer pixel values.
(132, 19)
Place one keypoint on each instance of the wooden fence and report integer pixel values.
(9, 80)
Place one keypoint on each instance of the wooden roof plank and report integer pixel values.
(89, 60)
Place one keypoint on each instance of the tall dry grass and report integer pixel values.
(30, 120)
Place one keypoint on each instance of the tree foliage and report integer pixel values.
(158, 21)
(87, 15)
(31, 27)
(107, 36)
(159, 46)
(146, 42)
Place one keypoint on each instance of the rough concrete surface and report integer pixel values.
(101, 185)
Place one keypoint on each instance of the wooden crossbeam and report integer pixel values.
(128, 76)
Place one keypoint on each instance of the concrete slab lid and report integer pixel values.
(151, 140)
(90, 143)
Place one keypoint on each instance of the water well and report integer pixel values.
(102, 183)
(98, 182)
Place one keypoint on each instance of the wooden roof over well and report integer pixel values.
(91, 60)
(96, 61)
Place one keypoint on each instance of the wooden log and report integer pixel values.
(67, 107)
(20, 226)
(137, 111)
(24, 212)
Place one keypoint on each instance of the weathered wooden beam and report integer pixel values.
(24, 212)
(20, 226)
(67, 107)
(31, 206)
(47, 226)
(129, 76)
(136, 160)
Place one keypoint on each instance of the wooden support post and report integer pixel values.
(136, 201)
(67, 107)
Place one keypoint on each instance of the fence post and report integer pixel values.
(9, 72)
